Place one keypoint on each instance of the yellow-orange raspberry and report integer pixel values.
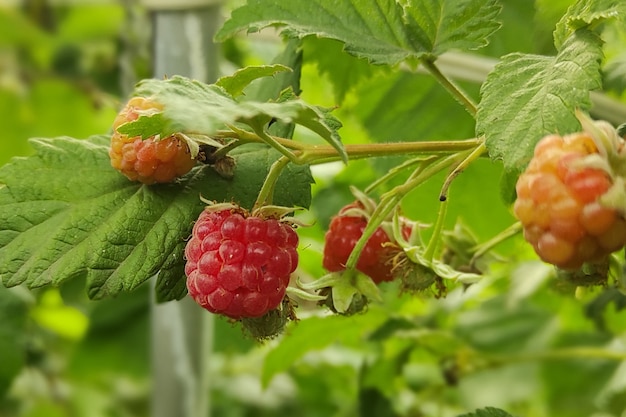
(558, 204)
(150, 160)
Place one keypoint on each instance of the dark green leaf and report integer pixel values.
(529, 96)
(343, 70)
(274, 89)
(66, 214)
(12, 342)
(383, 31)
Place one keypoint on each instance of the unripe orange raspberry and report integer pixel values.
(149, 160)
(558, 203)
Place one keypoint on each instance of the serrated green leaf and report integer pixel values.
(587, 13)
(488, 412)
(529, 96)
(65, 213)
(236, 83)
(382, 31)
(192, 106)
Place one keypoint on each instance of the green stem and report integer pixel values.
(449, 85)
(266, 194)
(379, 215)
(326, 153)
(276, 145)
(443, 195)
(429, 253)
(558, 354)
(390, 200)
(480, 250)
(318, 154)
(223, 151)
(420, 162)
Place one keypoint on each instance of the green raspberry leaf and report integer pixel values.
(382, 31)
(488, 412)
(65, 213)
(527, 97)
(195, 107)
(236, 83)
(587, 14)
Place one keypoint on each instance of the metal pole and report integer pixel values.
(182, 333)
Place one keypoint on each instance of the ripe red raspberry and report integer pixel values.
(344, 231)
(558, 203)
(150, 160)
(239, 265)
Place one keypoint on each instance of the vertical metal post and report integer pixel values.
(182, 333)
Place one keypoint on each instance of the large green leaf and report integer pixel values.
(383, 31)
(529, 96)
(65, 213)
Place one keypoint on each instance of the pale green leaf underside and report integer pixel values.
(66, 213)
(528, 96)
(383, 31)
(194, 107)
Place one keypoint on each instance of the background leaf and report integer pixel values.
(488, 412)
(78, 217)
(12, 337)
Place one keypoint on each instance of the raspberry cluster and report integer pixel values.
(344, 231)
(151, 160)
(239, 265)
(558, 203)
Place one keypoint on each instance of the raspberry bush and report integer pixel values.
(481, 264)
